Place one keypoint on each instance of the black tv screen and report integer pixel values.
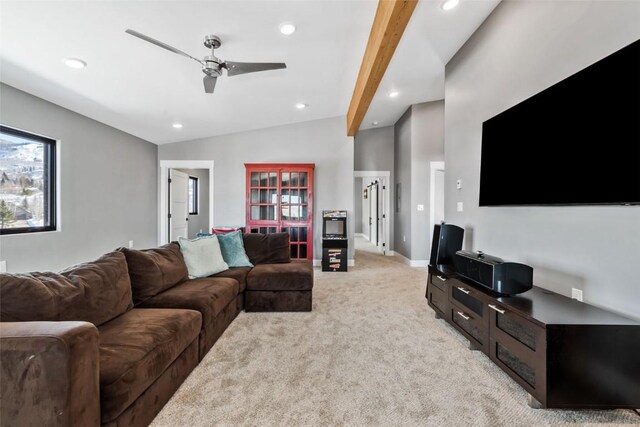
(334, 228)
(576, 142)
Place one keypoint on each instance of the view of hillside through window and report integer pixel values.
(23, 183)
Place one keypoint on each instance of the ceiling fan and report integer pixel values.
(211, 65)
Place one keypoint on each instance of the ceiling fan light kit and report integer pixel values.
(211, 65)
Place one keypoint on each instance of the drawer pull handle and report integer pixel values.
(464, 290)
(496, 309)
(463, 315)
(444, 279)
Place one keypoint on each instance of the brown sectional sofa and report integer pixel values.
(109, 342)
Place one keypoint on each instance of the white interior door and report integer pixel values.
(178, 204)
(374, 213)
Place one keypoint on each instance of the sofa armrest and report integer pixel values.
(49, 374)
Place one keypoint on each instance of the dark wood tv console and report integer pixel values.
(564, 353)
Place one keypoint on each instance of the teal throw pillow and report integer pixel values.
(202, 256)
(232, 249)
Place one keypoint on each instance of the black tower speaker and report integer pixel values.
(447, 240)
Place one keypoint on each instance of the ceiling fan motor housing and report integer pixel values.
(212, 66)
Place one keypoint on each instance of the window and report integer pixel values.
(193, 195)
(27, 182)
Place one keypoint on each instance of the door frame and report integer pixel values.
(385, 178)
(163, 191)
(434, 166)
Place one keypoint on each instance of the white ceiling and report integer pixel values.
(142, 89)
(416, 71)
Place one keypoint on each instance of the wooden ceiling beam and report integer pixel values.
(392, 17)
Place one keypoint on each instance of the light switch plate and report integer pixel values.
(459, 184)
(131, 243)
(576, 294)
(459, 207)
(3, 266)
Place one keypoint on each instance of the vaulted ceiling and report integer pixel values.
(142, 89)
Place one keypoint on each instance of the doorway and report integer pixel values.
(436, 197)
(174, 201)
(372, 203)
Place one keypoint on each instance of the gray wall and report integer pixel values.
(108, 187)
(323, 142)
(201, 220)
(427, 145)
(521, 49)
(402, 168)
(419, 140)
(357, 205)
(373, 150)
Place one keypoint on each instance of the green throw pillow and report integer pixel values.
(202, 256)
(232, 249)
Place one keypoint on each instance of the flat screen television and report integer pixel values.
(575, 143)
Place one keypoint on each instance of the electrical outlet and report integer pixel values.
(460, 207)
(576, 294)
(459, 184)
(130, 243)
(3, 266)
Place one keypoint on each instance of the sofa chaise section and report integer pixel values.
(49, 374)
(83, 354)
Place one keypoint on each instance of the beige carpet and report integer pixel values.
(370, 354)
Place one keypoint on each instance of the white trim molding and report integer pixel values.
(163, 189)
(413, 262)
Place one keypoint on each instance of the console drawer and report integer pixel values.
(439, 281)
(472, 326)
(467, 298)
(438, 301)
(518, 346)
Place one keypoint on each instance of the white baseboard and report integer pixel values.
(413, 262)
(390, 253)
(360, 235)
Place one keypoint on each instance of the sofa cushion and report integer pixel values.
(237, 273)
(267, 248)
(208, 295)
(202, 256)
(232, 247)
(295, 276)
(154, 270)
(136, 348)
(94, 292)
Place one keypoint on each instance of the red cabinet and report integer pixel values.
(280, 199)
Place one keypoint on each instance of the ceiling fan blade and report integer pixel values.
(236, 68)
(209, 83)
(160, 44)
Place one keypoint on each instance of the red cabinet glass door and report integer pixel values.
(280, 199)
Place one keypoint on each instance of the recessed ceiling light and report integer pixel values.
(450, 4)
(287, 28)
(177, 125)
(374, 123)
(393, 94)
(301, 106)
(74, 63)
